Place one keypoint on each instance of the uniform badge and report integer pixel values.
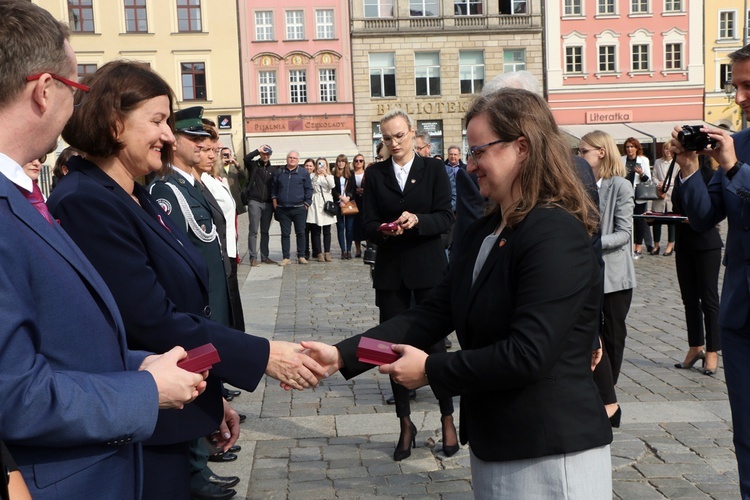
(181, 181)
(165, 205)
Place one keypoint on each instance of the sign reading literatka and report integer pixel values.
(610, 116)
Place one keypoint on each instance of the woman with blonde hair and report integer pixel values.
(616, 209)
(322, 183)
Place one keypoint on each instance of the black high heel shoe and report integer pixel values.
(400, 452)
(449, 449)
(614, 420)
(692, 361)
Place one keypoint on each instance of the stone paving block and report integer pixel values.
(303, 476)
(627, 473)
(675, 488)
(651, 471)
(347, 472)
(458, 496)
(311, 454)
(362, 482)
(269, 485)
(269, 473)
(267, 463)
(628, 490)
(402, 490)
(308, 466)
(312, 489)
(448, 487)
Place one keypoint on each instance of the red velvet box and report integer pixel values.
(375, 352)
(200, 359)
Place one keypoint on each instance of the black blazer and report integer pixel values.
(524, 368)
(349, 188)
(160, 284)
(688, 239)
(417, 257)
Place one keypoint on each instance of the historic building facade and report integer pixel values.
(192, 44)
(429, 57)
(630, 67)
(297, 77)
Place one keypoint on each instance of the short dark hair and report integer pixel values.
(117, 88)
(740, 55)
(32, 42)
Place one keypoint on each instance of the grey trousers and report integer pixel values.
(584, 475)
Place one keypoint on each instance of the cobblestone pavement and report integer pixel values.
(337, 441)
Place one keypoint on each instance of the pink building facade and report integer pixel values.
(297, 77)
(629, 67)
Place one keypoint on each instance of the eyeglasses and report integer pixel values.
(398, 138)
(69, 83)
(359, 160)
(477, 151)
(378, 158)
(420, 148)
(292, 157)
(583, 151)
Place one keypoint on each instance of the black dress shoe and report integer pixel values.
(212, 492)
(222, 457)
(242, 417)
(233, 393)
(392, 399)
(234, 449)
(229, 397)
(223, 481)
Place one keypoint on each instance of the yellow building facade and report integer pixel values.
(192, 44)
(724, 24)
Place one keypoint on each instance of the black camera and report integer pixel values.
(693, 139)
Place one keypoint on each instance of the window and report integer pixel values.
(85, 69)
(573, 8)
(264, 26)
(193, 81)
(267, 87)
(188, 15)
(605, 7)
(427, 73)
(639, 6)
(725, 74)
(81, 15)
(435, 128)
(327, 79)
(295, 29)
(673, 56)
(672, 5)
(640, 58)
(471, 71)
(297, 86)
(607, 59)
(378, 8)
(574, 60)
(424, 8)
(383, 74)
(324, 24)
(467, 7)
(510, 7)
(135, 16)
(514, 60)
(726, 24)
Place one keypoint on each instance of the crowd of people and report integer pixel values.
(92, 384)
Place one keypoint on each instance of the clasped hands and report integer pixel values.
(408, 370)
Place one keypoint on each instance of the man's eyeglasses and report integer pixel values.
(398, 138)
(477, 151)
(69, 83)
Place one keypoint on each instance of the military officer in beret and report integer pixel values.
(181, 196)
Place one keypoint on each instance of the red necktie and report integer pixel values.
(36, 199)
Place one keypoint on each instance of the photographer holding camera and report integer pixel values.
(257, 196)
(726, 196)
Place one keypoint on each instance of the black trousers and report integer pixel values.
(698, 276)
(238, 317)
(391, 303)
(166, 471)
(639, 225)
(315, 236)
(615, 307)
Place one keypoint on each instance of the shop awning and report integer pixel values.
(327, 145)
(645, 132)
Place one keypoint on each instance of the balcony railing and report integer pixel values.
(497, 22)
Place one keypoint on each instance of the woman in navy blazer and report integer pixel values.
(158, 279)
(523, 297)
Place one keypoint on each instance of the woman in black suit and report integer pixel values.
(157, 277)
(410, 261)
(523, 297)
(698, 260)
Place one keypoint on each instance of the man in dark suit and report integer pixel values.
(727, 195)
(75, 399)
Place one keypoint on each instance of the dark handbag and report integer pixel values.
(645, 191)
(329, 207)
